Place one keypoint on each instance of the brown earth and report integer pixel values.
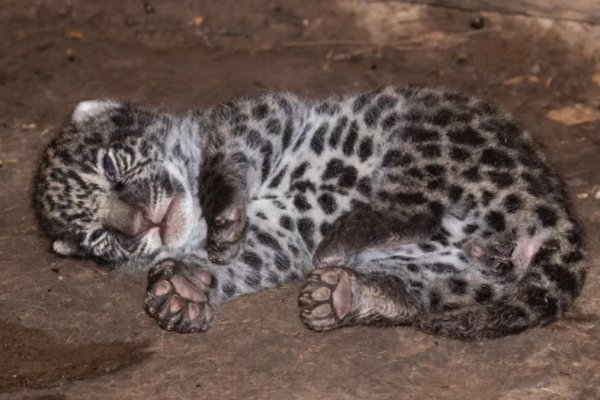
(70, 330)
(36, 360)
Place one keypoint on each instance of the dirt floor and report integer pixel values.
(71, 330)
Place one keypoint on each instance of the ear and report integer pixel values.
(91, 108)
(65, 248)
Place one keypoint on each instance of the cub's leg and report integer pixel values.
(388, 285)
(223, 200)
(339, 293)
(399, 285)
(365, 227)
(380, 285)
(182, 294)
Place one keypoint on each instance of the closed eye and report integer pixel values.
(96, 235)
(110, 171)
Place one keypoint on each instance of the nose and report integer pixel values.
(141, 224)
(133, 221)
(124, 218)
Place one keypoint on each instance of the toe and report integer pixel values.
(172, 322)
(321, 294)
(205, 278)
(197, 318)
(162, 288)
(193, 311)
(322, 311)
(330, 277)
(153, 304)
(176, 303)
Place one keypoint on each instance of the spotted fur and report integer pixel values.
(435, 199)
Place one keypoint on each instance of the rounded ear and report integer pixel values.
(91, 108)
(65, 248)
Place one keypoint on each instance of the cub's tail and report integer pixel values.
(482, 322)
(551, 284)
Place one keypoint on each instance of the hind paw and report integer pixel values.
(326, 299)
(177, 297)
(507, 258)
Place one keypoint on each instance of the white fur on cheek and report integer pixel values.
(181, 221)
(186, 215)
(153, 241)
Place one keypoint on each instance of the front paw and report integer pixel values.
(225, 234)
(177, 297)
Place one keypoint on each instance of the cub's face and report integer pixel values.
(114, 185)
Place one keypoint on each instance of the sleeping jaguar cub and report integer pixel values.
(400, 206)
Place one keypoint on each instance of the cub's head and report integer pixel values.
(115, 185)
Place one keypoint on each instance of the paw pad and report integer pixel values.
(326, 300)
(177, 297)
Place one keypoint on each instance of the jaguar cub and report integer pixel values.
(406, 206)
